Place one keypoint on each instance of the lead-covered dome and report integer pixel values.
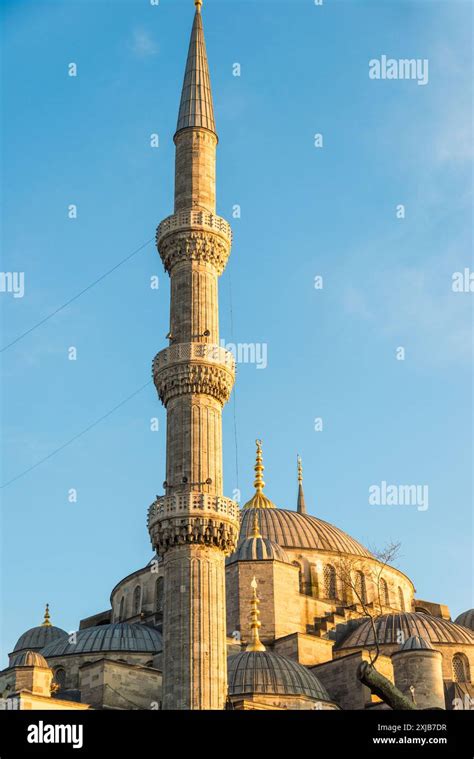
(257, 548)
(28, 659)
(466, 619)
(121, 636)
(265, 673)
(388, 628)
(40, 636)
(416, 643)
(293, 530)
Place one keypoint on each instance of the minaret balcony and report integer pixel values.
(191, 368)
(190, 219)
(200, 352)
(198, 236)
(193, 518)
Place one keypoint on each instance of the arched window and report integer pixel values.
(461, 669)
(401, 599)
(159, 594)
(314, 581)
(122, 609)
(384, 596)
(360, 587)
(329, 581)
(422, 609)
(60, 677)
(137, 600)
(300, 576)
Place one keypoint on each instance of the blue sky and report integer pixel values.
(305, 211)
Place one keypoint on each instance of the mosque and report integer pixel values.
(251, 608)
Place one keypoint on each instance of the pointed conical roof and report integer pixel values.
(196, 109)
(301, 504)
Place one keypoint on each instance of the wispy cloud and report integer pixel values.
(142, 44)
(416, 307)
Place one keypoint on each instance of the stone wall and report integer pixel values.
(108, 684)
(339, 677)
(420, 669)
(278, 594)
(305, 649)
(72, 663)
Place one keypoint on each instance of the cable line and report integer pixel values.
(79, 434)
(75, 297)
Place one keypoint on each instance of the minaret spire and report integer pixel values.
(196, 108)
(193, 525)
(301, 505)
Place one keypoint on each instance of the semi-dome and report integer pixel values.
(28, 659)
(388, 627)
(121, 636)
(265, 673)
(466, 619)
(257, 548)
(291, 529)
(38, 637)
(415, 643)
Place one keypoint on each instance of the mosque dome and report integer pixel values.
(415, 643)
(466, 619)
(257, 548)
(293, 529)
(265, 673)
(38, 637)
(388, 627)
(122, 636)
(28, 659)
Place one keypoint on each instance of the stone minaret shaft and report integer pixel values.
(193, 526)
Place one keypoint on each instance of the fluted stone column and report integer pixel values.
(193, 526)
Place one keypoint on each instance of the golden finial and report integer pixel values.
(300, 470)
(259, 483)
(198, 4)
(255, 527)
(47, 617)
(259, 500)
(255, 643)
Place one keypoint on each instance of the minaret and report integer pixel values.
(301, 504)
(193, 526)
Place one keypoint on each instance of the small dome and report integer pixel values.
(415, 643)
(28, 659)
(38, 637)
(433, 629)
(259, 501)
(122, 636)
(466, 619)
(265, 673)
(257, 548)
